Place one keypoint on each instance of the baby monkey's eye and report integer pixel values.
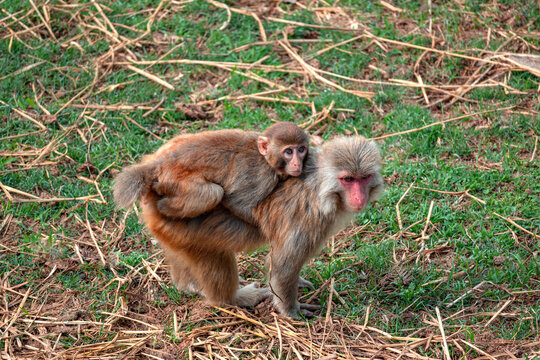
(301, 149)
(288, 151)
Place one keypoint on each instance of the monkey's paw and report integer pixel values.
(303, 283)
(308, 310)
(250, 295)
(302, 310)
(165, 207)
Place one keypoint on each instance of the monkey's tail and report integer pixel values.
(130, 184)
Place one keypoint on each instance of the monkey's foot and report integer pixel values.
(189, 287)
(165, 206)
(303, 283)
(251, 295)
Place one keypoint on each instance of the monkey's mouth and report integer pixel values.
(295, 173)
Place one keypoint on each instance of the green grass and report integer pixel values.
(381, 267)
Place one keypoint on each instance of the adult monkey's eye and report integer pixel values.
(348, 179)
(288, 151)
(301, 149)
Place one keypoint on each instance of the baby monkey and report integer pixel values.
(192, 174)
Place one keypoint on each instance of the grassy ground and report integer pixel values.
(446, 266)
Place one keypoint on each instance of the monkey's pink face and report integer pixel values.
(294, 158)
(356, 190)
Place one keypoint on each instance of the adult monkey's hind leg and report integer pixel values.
(216, 274)
(181, 275)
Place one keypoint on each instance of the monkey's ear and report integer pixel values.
(316, 140)
(262, 145)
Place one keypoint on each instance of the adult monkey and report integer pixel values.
(296, 219)
(194, 173)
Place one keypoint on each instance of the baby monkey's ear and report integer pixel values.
(262, 145)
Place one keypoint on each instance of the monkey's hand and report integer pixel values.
(303, 283)
(303, 310)
(308, 310)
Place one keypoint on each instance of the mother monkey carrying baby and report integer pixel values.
(296, 218)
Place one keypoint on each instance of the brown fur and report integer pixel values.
(194, 173)
(286, 133)
(296, 219)
(220, 173)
